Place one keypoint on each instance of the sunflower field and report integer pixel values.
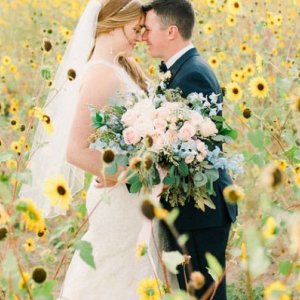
(254, 49)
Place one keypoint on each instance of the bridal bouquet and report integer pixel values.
(155, 132)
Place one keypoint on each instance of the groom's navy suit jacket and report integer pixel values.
(191, 74)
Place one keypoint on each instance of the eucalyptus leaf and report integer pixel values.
(136, 187)
(183, 169)
(214, 267)
(199, 179)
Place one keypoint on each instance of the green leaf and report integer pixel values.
(5, 156)
(9, 265)
(183, 169)
(285, 267)
(24, 177)
(172, 259)
(85, 252)
(212, 174)
(136, 187)
(230, 132)
(5, 191)
(169, 180)
(44, 291)
(214, 267)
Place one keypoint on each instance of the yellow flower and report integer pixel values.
(31, 216)
(281, 164)
(297, 180)
(11, 164)
(24, 279)
(59, 58)
(208, 28)
(213, 61)
(29, 245)
(259, 87)
(243, 252)
(269, 228)
(233, 6)
(149, 289)
(151, 70)
(259, 63)
(160, 213)
(231, 20)
(83, 195)
(141, 249)
(6, 60)
(233, 91)
(58, 192)
(245, 49)
(4, 217)
(296, 169)
(276, 288)
(296, 104)
(137, 59)
(222, 56)
(16, 147)
(14, 123)
(249, 69)
(233, 194)
(211, 3)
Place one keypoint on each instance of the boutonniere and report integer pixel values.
(165, 79)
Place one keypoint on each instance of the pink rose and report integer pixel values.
(158, 139)
(196, 118)
(200, 157)
(208, 128)
(189, 159)
(131, 137)
(162, 113)
(201, 148)
(171, 136)
(186, 132)
(160, 124)
(129, 117)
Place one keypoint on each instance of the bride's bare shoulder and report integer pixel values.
(99, 82)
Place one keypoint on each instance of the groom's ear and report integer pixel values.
(173, 32)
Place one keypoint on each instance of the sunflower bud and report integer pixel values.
(271, 176)
(39, 275)
(71, 74)
(135, 163)
(3, 233)
(197, 280)
(108, 156)
(247, 113)
(47, 45)
(148, 141)
(233, 194)
(148, 209)
(148, 162)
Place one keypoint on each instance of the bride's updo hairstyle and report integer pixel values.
(116, 14)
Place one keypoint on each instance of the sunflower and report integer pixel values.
(276, 289)
(208, 28)
(16, 147)
(24, 279)
(258, 87)
(29, 245)
(269, 228)
(6, 60)
(151, 70)
(31, 216)
(141, 249)
(231, 20)
(58, 192)
(213, 61)
(249, 69)
(233, 194)
(149, 289)
(234, 6)
(281, 164)
(233, 91)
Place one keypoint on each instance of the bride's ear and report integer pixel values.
(173, 32)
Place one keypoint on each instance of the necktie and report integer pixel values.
(163, 67)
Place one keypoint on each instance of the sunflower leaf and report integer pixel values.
(85, 252)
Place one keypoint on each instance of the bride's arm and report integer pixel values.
(100, 83)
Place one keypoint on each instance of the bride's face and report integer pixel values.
(133, 34)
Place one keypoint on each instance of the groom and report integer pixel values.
(168, 32)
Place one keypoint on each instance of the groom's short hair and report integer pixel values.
(174, 12)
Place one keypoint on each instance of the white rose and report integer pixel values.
(208, 128)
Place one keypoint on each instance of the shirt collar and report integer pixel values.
(171, 61)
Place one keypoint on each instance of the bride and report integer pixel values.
(99, 64)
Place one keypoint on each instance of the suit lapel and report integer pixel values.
(175, 68)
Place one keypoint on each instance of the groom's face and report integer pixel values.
(155, 35)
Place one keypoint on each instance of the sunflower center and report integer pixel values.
(150, 292)
(46, 119)
(235, 91)
(260, 86)
(61, 190)
(236, 5)
(233, 195)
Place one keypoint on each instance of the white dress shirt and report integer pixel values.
(171, 61)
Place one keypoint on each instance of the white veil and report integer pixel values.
(48, 153)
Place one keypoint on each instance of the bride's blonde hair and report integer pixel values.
(116, 14)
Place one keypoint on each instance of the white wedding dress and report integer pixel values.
(113, 231)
